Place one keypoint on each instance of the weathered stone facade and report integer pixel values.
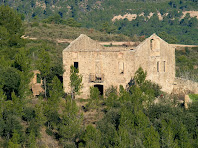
(104, 67)
(183, 87)
(36, 83)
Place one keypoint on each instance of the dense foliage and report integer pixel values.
(99, 15)
(20, 119)
(131, 119)
(187, 63)
(64, 33)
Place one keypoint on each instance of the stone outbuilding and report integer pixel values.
(36, 83)
(103, 67)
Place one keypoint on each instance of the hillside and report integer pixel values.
(187, 63)
(64, 33)
(131, 17)
(58, 36)
(99, 15)
(78, 8)
(128, 118)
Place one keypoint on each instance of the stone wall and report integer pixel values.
(183, 86)
(158, 58)
(36, 87)
(113, 67)
(116, 66)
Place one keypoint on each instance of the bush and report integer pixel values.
(45, 25)
(29, 114)
(94, 99)
(35, 24)
(193, 97)
(49, 132)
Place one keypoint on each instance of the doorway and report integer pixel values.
(100, 88)
(76, 65)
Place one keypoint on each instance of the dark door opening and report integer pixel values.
(100, 88)
(76, 65)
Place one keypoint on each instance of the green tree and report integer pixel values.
(70, 122)
(11, 81)
(4, 36)
(23, 64)
(125, 138)
(12, 22)
(167, 138)
(94, 93)
(140, 76)
(31, 140)
(14, 141)
(168, 38)
(151, 138)
(92, 137)
(93, 102)
(40, 118)
(106, 27)
(56, 89)
(52, 105)
(108, 128)
(75, 81)
(17, 105)
(44, 64)
(112, 97)
(72, 23)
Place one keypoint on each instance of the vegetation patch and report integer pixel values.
(187, 63)
(193, 97)
(125, 119)
(60, 32)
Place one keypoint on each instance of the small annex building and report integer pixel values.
(36, 83)
(103, 67)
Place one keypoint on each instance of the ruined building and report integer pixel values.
(36, 83)
(103, 67)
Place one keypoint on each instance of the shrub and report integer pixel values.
(35, 24)
(193, 97)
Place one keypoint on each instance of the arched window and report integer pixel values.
(151, 44)
(155, 44)
(155, 47)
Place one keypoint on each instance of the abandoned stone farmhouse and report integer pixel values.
(103, 67)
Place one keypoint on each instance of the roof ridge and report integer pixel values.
(84, 43)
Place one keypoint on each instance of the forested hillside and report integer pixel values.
(99, 15)
(125, 119)
(187, 63)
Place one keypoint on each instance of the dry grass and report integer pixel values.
(46, 140)
(57, 32)
(92, 115)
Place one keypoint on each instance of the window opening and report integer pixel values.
(121, 67)
(164, 66)
(98, 78)
(92, 77)
(151, 44)
(100, 88)
(76, 65)
(157, 66)
(38, 78)
(98, 67)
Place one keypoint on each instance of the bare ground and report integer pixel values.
(114, 43)
(91, 116)
(131, 17)
(46, 140)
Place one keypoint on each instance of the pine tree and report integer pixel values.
(44, 65)
(75, 81)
